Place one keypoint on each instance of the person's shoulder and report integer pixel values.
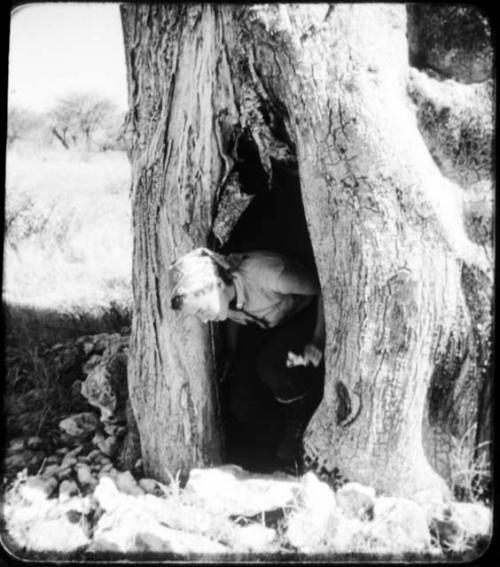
(264, 260)
(262, 267)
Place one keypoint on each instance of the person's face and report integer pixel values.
(209, 305)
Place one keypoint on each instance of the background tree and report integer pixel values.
(80, 117)
(327, 89)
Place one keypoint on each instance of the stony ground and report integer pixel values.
(67, 494)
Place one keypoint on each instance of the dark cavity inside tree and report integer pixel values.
(230, 101)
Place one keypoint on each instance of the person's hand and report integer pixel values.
(312, 355)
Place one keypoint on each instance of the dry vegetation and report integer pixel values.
(67, 264)
(68, 236)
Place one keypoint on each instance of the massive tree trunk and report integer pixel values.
(325, 88)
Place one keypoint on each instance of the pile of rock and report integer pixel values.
(73, 495)
(83, 504)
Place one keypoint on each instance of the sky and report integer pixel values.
(57, 49)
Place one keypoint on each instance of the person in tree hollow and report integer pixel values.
(268, 291)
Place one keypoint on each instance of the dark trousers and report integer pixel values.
(261, 367)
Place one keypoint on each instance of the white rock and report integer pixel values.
(107, 494)
(85, 477)
(356, 500)
(37, 489)
(345, 534)
(55, 535)
(152, 486)
(127, 484)
(68, 489)
(254, 538)
(401, 523)
(131, 528)
(162, 538)
(51, 470)
(233, 491)
(316, 496)
(311, 522)
(64, 472)
(473, 519)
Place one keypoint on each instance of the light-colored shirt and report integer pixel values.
(270, 288)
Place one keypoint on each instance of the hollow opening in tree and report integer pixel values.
(254, 421)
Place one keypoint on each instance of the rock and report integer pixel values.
(51, 470)
(80, 426)
(52, 460)
(102, 460)
(400, 524)
(127, 484)
(76, 451)
(160, 538)
(94, 454)
(64, 473)
(16, 445)
(254, 538)
(463, 523)
(132, 529)
(151, 486)
(68, 489)
(37, 489)
(232, 491)
(56, 535)
(109, 446)
(30, 460)
(84, 459)
(107, 467)
(68, 461)
(62, 451)
(108, 471)
(80, 504)
(107, 494)
(106, 384)
(74, 516)
(114, 429)
(356, 500)
(102, 546)
(312, 520)
(100, 442)
(473, 519)
(34, 442)
(348, 535)
(85, 477)
(16, 462)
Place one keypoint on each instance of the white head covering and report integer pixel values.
(195, 271)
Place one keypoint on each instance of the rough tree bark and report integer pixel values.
(330, 88)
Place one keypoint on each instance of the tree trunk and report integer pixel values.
(61, 137)
(325, 87)
(176, 167)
